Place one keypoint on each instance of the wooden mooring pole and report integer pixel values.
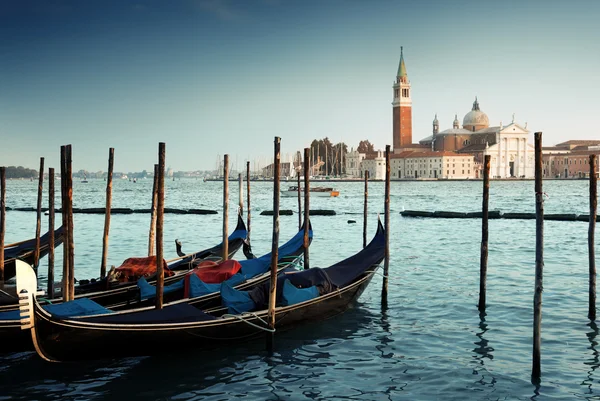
(38, 225)
(2, 220)
(299, 202)
(591, 235)
(274, 245)
(539, 260)
(225, 206)
(484, 234)
(69, 162)
(306, 206)
(65, 222)
(248, 200)
(386, 219)
(111, 158)
(365, 209)
(241, 195)
(151, 234)
(160, 218)
(51, 216)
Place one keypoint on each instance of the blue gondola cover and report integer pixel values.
(293, 295)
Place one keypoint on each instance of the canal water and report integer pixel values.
(429, 344)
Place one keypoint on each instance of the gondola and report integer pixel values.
(25, 250)
(253, 272)
(108, 293)
(180, 327)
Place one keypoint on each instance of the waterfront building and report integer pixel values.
(569, 159)
(511, 154)
(432, 165)
(353, 163)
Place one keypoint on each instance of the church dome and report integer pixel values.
(475, 119)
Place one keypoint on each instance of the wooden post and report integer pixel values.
(248, 197)
(70, 222)
(484, 234)
(225, 206)
(275, 243)
(386, 265)
(38, 226)
(111, 157)
(151, 244)
(306, 206)
(160, 214)
(539, 259)
(299, 202)
(241, 195)
(65, 222)
(365, 211)
(2, 220)
(591, 235)
(50, 294)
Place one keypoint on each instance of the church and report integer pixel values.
(511, 154)
(438, 156)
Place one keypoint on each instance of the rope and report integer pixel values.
(241, 318)
(383, 275)
(46, 300)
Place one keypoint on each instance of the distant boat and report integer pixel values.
(314, 191)
(135, 180)
(84, 179)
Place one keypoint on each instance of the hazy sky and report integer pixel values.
(210, 77)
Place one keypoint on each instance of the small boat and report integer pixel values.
(314, 191)
(303, 296)
(25, 250)
(84, 179)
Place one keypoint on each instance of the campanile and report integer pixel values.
(402, 107)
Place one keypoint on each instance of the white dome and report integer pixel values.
(476, 118)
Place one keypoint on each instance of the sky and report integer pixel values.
(215, 77)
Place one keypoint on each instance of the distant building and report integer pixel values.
(569, 159)
(511, 154)
(286, 169)
(433, 165)
(353, 163)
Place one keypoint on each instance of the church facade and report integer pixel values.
(438, 155)
(511, 153)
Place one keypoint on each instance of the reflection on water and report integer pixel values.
(594, 361)
(482, 353)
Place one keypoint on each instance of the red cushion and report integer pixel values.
(213, 273)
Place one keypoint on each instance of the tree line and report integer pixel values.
(328, 158)
(20, 172)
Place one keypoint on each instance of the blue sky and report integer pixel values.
(210, 77)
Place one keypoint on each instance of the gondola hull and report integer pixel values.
(12, 339)
(72, 340)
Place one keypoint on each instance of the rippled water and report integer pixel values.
(429, 344)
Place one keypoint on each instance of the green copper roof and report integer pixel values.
(401, 67)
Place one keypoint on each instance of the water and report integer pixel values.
(429, 344)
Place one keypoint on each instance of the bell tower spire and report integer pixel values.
(402, 107)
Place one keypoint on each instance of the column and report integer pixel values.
(526, 156)
(499, 161)
(518, 173)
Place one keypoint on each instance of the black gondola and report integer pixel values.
(137, 333)
(25, 250)
(252, 273)
(109, 293)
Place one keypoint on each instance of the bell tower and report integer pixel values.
(402, 107)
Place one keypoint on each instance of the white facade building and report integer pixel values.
(432, 165)
(375, 166)
(353, 163)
